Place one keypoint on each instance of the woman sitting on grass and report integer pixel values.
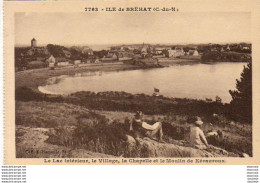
(152, 131)
(197, 137)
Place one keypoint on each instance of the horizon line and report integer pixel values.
(185, 43)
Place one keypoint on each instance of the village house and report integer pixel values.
(51, 59)
(158, 51)
(125, 54)
(87, 51)
(193, 52)
(122, 48)
(144, 49)
(63, 64)
(112, 56)
(245, 48)
(144, 52)
(171, 53)
(130, 48)
(175, 53)
(227, 48)
(213, 48)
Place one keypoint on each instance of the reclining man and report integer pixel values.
(152, 131)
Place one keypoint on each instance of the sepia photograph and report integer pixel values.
(133, 85)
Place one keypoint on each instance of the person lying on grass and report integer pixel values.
(197, 137)
(152, 131)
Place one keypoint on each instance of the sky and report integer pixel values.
(129, 28)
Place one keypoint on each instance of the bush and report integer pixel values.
(36, 65)
(122, 101)
(96, 136)
(174, 131)
(238, 146)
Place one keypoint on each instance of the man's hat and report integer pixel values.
(138, 113)
(198, 122)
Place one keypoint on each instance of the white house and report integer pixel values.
(177, 52)
(245, 48)
(228, 48)
(51, 59)
(194, 52)
(87, 51)
(63, 64)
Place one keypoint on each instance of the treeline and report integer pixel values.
(76, 53)
(238, 47)
(30, 58)
(216, 56)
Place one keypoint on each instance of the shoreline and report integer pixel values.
(44, 77)
(39, 77)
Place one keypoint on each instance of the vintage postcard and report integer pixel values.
(132, 82)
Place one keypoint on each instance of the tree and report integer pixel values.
(214, 56)
(56, 50)
(76, 54)
(100, 54)
(241, 103)
(186, 49)
(136, 51)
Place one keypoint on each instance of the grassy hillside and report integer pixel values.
(71, 127)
